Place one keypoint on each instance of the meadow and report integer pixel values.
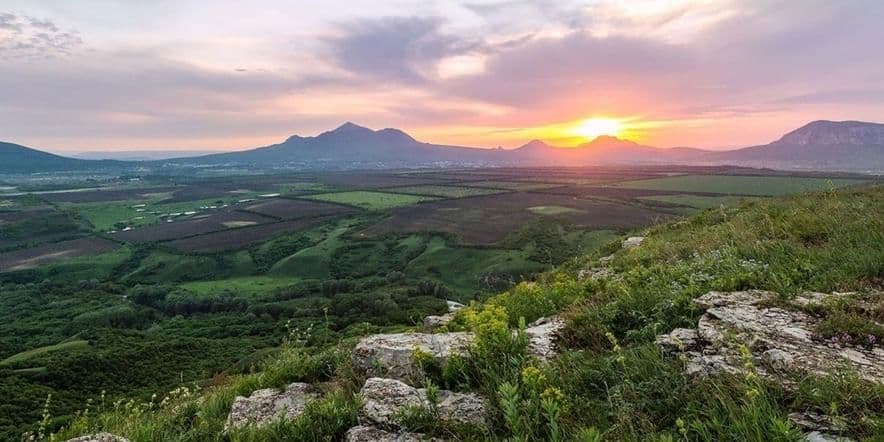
(352, 252)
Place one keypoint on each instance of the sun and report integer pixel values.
(596, 127)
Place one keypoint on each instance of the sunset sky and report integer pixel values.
(231, 74)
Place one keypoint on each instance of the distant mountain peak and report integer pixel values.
(534, 144)
(830, 133)
(603, 141)
(349, 127)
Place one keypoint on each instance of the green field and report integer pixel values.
(740, 185)
(552, 210)
(464, 269)
(29, 354)
(513, 185)
(447, 191)
(370, 200)
(248, 286)
(696, 201)
(313, 262)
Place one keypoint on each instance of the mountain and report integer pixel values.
(351, 144)
(140, 155)
(823, 145)
(820, 145)
(603, 150)
(15, 158)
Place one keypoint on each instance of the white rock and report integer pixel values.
(384, 400)
(542, 335)
(99, 437)
(263, 407)
(632, 242)
(364, 433)
(392, 355)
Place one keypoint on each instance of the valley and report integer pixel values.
(101, 286)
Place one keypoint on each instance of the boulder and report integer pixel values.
(435, 321)
(633, 242)
(392, 355)
(99, 437)
(780, 339)
(384, 400)
(542, 335)
(263, 407)
(365, 433)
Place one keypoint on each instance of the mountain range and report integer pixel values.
(820, 145)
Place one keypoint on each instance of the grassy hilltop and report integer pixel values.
(611, 382)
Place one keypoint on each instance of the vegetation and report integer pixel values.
(740, 185)
(446, 191)
(370, 200)
(118, 327)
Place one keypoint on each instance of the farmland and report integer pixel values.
(201, 276)
(370, 200)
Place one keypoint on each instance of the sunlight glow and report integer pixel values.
(595, 127)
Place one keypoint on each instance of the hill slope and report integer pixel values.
(611, 381)
(15, 158)
(850, 145)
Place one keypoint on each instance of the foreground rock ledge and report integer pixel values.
(780, 339)
(392, 355)
(266, 406)
(384, 400)
(99, 437)
(364, 433)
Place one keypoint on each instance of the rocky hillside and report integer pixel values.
(762, 322)
(834, 133)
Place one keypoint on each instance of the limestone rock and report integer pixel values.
(391, 355)
(263, 407)
(780, 339)
(99, 437)
(680, 339)
(816, 436)
(383, 400)
(434, 321)
(633, 242)
(364, 433)
(542, 335)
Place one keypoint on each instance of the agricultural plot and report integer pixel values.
(283, 208)
(192, 226)
(242, 237)
(613, 192)
(488, 219)
(40, 255)
(741, 185)
(107, 195)
(696, 201)
(14, 216)
(523, 186)
(374, 180)
(446, 191)
(370, 200)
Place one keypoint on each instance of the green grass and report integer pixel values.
(134, 213)
(468, 270)
(248, 286)
(446, 191)
(370, 200)
(30, 354)
(313, 262)
(512, 185)
(552, 210)
(739, 185)
(699, 202)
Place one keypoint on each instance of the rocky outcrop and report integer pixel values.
(392, 355)
(385, 400)
(435, 321)
(633, 242)
(99, 437)
(365, 433)
(266, 406)
(542, 337)
(780, 339)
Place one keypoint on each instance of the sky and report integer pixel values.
(91, 75)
